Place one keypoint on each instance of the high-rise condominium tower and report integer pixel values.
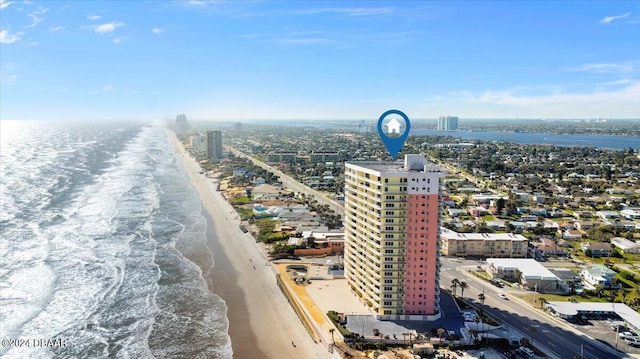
(391, 232)
(448, 123)
(214, 144)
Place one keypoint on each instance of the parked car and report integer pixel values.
(525, 352)
(628, 335)
(619, 328)
(633, 343)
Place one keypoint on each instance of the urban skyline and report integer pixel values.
(318, 60)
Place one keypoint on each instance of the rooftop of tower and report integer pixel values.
(411, 163)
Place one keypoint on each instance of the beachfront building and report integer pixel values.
(214, 145)
(199, 144)
(391, 234)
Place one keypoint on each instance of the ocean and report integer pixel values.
(103, 245)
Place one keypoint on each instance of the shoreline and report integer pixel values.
(262, 323)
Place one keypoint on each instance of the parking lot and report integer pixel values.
(602, 331)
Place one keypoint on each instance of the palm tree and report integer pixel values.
(481, 297)
(441, 331)
(454, 286)
(331, 331)
(463, 285)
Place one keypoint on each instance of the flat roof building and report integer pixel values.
(483, 244)
(214, 145)
(528, 272)
(391, 232)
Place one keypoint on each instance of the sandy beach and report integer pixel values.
(262, 324)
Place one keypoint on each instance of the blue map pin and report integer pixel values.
(394, 144)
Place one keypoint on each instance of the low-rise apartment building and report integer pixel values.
(483, 244)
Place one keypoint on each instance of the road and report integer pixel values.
(552, 337)
(291, 184)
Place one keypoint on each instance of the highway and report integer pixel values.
(548, 334)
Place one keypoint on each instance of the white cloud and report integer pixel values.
(360, 11)
(610, 19)
(302, 40)
(8, 38)
(157, 30)
(36, 16)
(108, 27)
(609, 68)
(94, 17)
(117, 40)
(7, 77)
(622, 101)
(4, 4)
(55, 28)
(107, 88)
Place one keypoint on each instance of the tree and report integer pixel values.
(454, 286)
(441, 332)
(481, 297)
(463, 285)
(500, 203)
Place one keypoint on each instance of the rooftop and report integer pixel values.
(622, 310)
(449, 234)
(530, 268)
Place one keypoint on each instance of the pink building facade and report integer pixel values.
(421, 245)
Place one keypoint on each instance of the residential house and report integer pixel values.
(630, 214)
(572, 234)
(477, 211)
(596, 249)
(625, 245)
(265, 192)
(548, 247)
(598, 275)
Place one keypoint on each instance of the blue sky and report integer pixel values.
(318, 60)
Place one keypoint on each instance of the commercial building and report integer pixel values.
(528, 272)
(391, 233)
(214, 145)
(483, 244)
(448, 123)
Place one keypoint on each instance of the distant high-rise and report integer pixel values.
(391, 236)
(181, 121)
(448, 123)
(238, 126)
(214, 144)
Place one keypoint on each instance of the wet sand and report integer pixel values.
(262, 324)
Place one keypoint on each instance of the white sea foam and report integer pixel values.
(102, 248)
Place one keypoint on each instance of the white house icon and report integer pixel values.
(393, 126)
